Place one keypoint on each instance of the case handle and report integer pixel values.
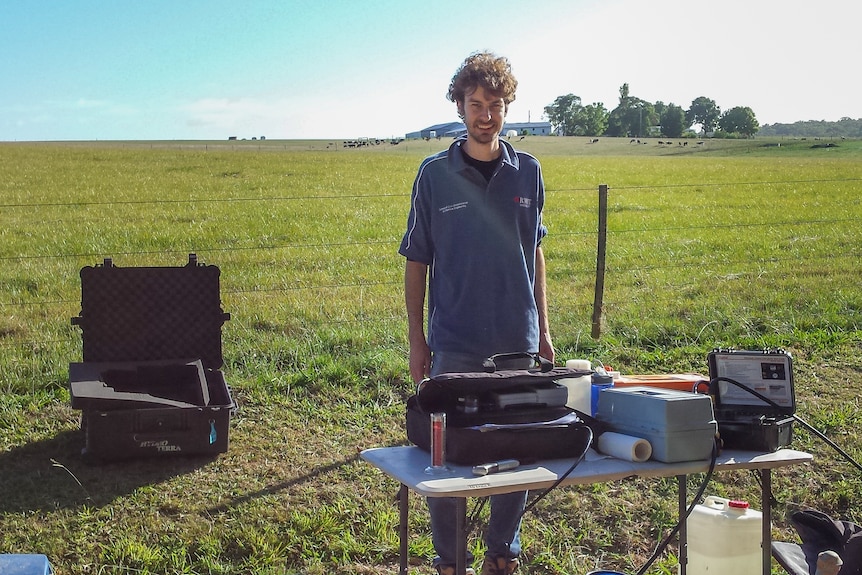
(544, 365)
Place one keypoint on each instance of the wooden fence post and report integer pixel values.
(601, 249)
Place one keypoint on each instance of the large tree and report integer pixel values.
(739, 120)
(705, 112)
(562, 114)
(632, 119)
(673, 122)
(570, 118)
(594, 118)
(632, 116)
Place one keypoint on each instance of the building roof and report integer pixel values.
(525, 125)
(458, 128)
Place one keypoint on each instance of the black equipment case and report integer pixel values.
(746, 421)
(506, 414)
(150, 383)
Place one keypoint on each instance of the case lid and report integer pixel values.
(766, 372)
(151, 313)
(646, 408)
(441, 392)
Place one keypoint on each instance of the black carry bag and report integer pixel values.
(506, 414)
(150, 383)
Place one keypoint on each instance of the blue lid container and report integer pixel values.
(599, 382)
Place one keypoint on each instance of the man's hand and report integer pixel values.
(546, 347)
(420, 361)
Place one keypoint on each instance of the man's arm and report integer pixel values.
(415, 280)
(540, 292)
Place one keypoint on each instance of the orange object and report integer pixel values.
(678, 381)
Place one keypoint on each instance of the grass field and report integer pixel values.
(748, 244)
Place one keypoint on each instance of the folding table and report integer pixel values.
(407, 465)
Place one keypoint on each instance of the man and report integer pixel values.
(475, 223)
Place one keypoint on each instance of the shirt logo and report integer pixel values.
(523, 202)
(453, 207)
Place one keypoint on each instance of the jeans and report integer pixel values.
(502, 537)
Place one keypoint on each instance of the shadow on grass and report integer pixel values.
(51, 474)
(273, 489)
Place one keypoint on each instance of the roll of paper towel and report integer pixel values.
(624, 446)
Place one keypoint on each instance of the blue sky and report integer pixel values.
(209, 69)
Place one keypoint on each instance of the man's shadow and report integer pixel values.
(52, 474)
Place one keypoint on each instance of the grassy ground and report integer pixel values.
(727, 243)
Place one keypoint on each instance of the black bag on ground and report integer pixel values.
(506, 414)
(820, 532)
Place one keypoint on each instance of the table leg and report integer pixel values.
(403, 511)
(461, 535)
(766, 506)
(683, 528)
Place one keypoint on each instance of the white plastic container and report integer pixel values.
(579, 364)
(580, 392)
(724, 538)
(579, 388)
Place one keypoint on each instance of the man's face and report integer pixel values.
(483, 114)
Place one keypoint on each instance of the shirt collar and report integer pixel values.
(456, 160)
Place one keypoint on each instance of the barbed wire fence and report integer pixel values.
(601, 264)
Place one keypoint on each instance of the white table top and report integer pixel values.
(407, 464)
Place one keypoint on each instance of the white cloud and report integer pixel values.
(86, 104)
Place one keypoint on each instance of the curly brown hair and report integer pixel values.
(485, 69)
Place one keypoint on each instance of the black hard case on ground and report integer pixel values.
(467, 444)
(745, 421)
(154, 334)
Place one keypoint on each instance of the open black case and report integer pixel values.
(746, 421)
(150, 383)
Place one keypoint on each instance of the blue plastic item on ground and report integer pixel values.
(25, 564)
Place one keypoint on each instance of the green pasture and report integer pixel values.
(728, 243)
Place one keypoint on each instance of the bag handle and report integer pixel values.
(544, 365)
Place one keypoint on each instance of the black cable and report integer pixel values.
(480, 503)
(802, 422)
(661, 547)
(473, 519)
(702, 489)
(560, 479)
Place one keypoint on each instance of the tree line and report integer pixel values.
(844, 128)
(634, 117)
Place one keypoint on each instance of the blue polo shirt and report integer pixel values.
(479, 240)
